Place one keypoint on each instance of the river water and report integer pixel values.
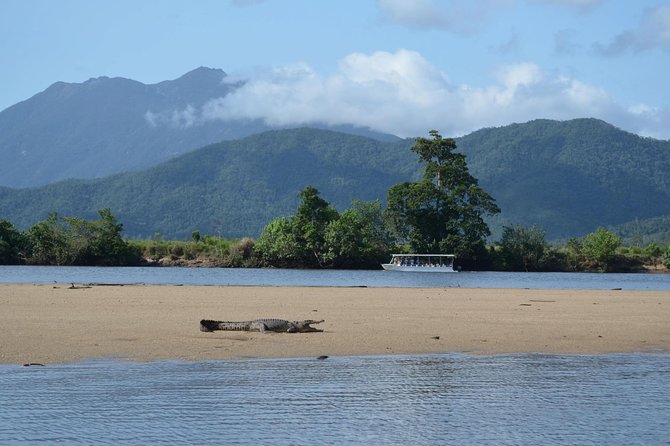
(389, 400)
(293, 277)
(449, 398)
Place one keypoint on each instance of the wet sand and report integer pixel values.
(55, 324)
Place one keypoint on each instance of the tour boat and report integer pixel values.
(428, 263)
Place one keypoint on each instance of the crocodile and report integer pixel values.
(262, 325)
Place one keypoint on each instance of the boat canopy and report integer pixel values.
(423, 259)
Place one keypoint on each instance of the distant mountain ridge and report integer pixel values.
(585, 171)
(110, 125)
(567, 177)
(232, 188)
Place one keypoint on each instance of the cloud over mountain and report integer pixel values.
(404, 94)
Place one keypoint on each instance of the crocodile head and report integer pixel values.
(304, 326)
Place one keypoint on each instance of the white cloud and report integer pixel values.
(404, 94)
(653, 31)
(461, 16)
(184, 118)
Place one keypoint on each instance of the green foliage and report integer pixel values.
(12, 244)
(666, 257)
(600, 247)
(301, 239)
(318, 236)
(444, 211)
(277, 244)
(208, 251)
(107, 245)
(312, 217)
(522, 248)
(566, 177)
(358, 238)
(48, 242)
(242, 253)
(569, 177)
(75, 241)
(646, 231)
(233, 188)
(653, 250)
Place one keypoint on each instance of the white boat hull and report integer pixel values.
(418, 269)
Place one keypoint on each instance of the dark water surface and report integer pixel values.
(420, 400)
(292, 277)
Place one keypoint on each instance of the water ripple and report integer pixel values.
(435, 399)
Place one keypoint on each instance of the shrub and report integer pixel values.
(666, 257)
(600, 247)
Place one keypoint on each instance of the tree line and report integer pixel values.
(443, 212)
(68, 241)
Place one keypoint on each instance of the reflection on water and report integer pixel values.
(434, 399)
(292, 277)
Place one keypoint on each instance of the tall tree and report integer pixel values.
(444, 211)
(310, 222)
(301, 238)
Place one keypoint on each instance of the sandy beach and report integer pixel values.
(56, 324)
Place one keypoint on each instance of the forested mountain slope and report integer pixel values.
(571, 176)
(567, 177)
(232, 188)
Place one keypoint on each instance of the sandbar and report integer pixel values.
(57, 324)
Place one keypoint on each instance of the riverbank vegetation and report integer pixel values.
(445, 211)
(357, 239)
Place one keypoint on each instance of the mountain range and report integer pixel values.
(566, 177)
(111, 125)
(143, 151)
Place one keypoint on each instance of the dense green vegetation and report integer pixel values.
(318, 236)
(444, 211)
(567, 178)
(526, 249)
(570, 177)
(232, 189)
(644, 232)
(441, 212)
(356, 238)
(522, 249)
(207, 251)
(67, 241)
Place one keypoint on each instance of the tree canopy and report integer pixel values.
(522, 248)
(75, 241)
(318, 236)
(444, 211)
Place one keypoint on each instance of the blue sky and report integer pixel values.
(397, 66)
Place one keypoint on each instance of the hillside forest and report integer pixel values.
(568, 178)
(443, 211)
